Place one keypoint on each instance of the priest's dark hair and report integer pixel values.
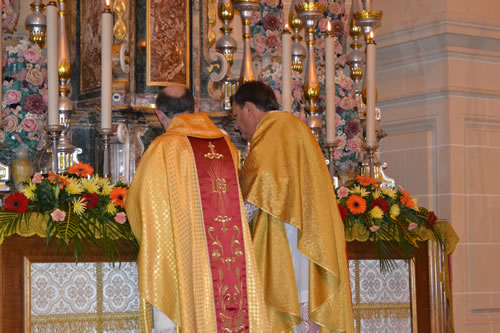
(173, 100)
(258, 93)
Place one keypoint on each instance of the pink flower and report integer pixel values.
(353, 145)
(260, 48)
(10, 123)
(58, 215)
(271, 22)
(412, 226)
(29, 125)
(12, 96)
(338, 154)
(343, 192)
(334, 8)
(323, 24)
(272, 41)
(37, 178)
(121, 217)
(374, 228)
(32, 54)
(255, 18)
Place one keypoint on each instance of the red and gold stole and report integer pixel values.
(223, 228)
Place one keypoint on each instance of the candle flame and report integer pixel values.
(372, 35)
(107, 2)
(286, 27)
(329, 26)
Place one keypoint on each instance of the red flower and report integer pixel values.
(343, 212)
(91, 199)
(382, 203)
(16, 202)
(431, 219)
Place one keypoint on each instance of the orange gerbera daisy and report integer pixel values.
(81, 169)
(406, 199)
(117, 195)
(356, 204)
(62, 181)
(365, 180)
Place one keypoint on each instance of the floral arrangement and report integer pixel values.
(24, 100)
(266, 28)
(80, 208)
(391, 217)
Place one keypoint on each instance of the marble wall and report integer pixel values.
(438, 69)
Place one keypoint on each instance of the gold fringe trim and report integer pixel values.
(86, 322)
(382, 310)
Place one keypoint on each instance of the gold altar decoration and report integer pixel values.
(36, 23)
(246, 8)
(298, 51)
(120, 28)
(310, 12)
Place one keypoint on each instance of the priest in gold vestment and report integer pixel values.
(196, 263)
(297, 231)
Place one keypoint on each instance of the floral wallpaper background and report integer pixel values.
(24, 96)
(267, 26)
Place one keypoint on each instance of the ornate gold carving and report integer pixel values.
(120, 28)
(64, 70)
(368, 15)
(212, 20)
(310, 6)
(213, 154)
(218, 251)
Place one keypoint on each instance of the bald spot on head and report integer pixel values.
(175, 90)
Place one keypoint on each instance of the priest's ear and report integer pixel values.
(164, 120)
(196, 107)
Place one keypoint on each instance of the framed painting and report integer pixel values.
(168, 42)
(90, 45)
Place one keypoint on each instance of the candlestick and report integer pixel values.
(106, 70)
(52, 80)
(330, 86)
(286, 61)
(370, 90)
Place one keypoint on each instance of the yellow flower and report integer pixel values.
(74, 186)
(79, 206)
(360, 191)
(107, 188)
(394, 211)
(111, 209)
(29, 191)
(415, 204)
(376, 212)
(389, 192)
(90, 185)
(102, 181)
(376, 194)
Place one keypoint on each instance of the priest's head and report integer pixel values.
(250, 103)
(173, 100)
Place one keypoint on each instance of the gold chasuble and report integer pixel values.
(285, 175)
(196, 262)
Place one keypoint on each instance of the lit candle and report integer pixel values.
(286, 62)
(106, 70)
(330, 85)
(52, 75)
(370, 90)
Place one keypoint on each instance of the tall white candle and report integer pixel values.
(286, 61)
(106, 70)
(370, 91)
(330, 86)
(52, 75)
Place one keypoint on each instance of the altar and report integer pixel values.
(45, 291)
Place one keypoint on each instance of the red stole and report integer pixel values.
(223, 228)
